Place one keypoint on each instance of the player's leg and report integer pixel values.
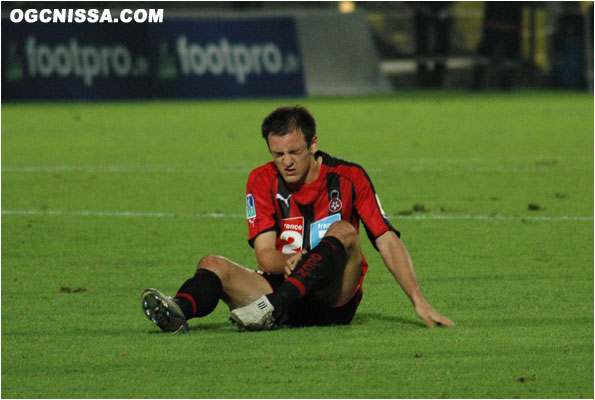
(511, 43)
(216, 278)
(421, 24)
(442, 39)
(331, 272)
(482, 59)
(346, 281)
(220, 278)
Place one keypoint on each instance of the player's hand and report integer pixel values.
(292, 262)
(431, 316)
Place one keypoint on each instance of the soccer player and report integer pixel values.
(303, 210)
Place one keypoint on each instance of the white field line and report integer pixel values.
(225, 215)
(120, 214)
(541, 163)
(240, 170)
(120, 169)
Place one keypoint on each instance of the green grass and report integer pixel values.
(517, 281)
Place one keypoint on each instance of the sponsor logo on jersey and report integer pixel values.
(291, 239)
(318, 229)
(283, 199)
(250, 207)
(335, 205)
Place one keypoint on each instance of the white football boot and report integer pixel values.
(163, 311)
(256, 316)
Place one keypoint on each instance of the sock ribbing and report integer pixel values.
(199, 295)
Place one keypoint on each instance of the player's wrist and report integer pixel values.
(417, 298)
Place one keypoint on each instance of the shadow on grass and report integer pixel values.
(364, 317)
(203, 327)
(211, 326)
(360, 319)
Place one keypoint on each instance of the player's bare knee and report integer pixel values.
(216, 264)
(345, 232)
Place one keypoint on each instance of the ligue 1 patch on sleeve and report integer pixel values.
(250, 207)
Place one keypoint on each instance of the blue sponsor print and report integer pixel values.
(249, 57)
(179, 58)
(318, 229)
(75, 61)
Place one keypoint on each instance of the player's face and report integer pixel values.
(292, 157)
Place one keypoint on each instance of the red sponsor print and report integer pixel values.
(309, 264)
(291, 239)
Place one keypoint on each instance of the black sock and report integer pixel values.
(200, 294)
(317, 269)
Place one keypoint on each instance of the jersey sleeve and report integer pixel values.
(368, 206)
(260, 209)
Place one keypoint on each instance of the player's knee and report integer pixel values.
(345, 232)
(216, 264)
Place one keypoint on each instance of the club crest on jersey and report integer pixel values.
(291, 239)
(250, 207)
(318, 229)
(335, 205)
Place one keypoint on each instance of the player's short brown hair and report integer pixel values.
(287, 119)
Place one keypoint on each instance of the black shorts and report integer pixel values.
(309, 311)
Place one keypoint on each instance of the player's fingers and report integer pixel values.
(427, 317)
(440, 319)
(444, 321)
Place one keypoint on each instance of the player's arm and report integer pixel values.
(269, 258)
(396, 257)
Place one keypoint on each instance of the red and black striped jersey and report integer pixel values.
(342, 191)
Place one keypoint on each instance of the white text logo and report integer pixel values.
(86, 61)
(79, 16)
(238, 60)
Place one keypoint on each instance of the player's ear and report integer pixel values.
(314, 145)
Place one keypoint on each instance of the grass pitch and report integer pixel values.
(493, 194)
